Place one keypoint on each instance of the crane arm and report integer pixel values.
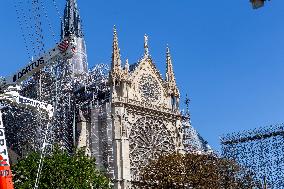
(14, 98)
(65, 50)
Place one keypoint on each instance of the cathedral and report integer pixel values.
(141, 120)
(123, 115)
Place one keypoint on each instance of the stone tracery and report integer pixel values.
(148, 139)
(149, 88)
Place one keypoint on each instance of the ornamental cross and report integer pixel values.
(187, 101)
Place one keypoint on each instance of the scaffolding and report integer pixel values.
(261, 151)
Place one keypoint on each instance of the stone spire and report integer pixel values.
(71, 20)
(72, 25)
(116, 60)
(170, 76)
(146, 47)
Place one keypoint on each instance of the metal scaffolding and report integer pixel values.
(261, 151)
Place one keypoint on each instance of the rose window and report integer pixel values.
(148, 139)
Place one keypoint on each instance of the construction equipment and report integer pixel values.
(5, 175)
(65, 50)
(12, 97)
(9, 95)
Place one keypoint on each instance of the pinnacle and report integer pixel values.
(168, 49)
(114, 30)
(116, 61)
(71, 21)
(170, 76)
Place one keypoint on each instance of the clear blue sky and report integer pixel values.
(227, 57)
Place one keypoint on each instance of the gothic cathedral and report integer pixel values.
(142, 119)
(123, 118)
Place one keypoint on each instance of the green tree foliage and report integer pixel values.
(177, 171)
(60, 171)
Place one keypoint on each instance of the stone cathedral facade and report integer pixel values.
(137, 118)
(141, 120)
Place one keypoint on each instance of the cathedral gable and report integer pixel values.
(148, 65)
(147, 83)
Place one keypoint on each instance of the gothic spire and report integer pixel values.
(71, 24)
(116, 60)
(170, 76)
(71, 20)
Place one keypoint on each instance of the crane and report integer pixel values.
(64, 50)
(9, 94)
(12, 97)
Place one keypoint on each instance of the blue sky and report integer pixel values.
(228, 57)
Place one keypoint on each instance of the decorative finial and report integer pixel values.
(146, 47)
(127, 65)
(114, 29)
(168, 49)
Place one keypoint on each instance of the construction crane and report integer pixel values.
(12, 97)
(9, 94)
(65, 50)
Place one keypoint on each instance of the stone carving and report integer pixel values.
(149, 88)
(148, 139)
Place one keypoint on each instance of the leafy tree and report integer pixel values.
(194, 171)
(60, 171)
